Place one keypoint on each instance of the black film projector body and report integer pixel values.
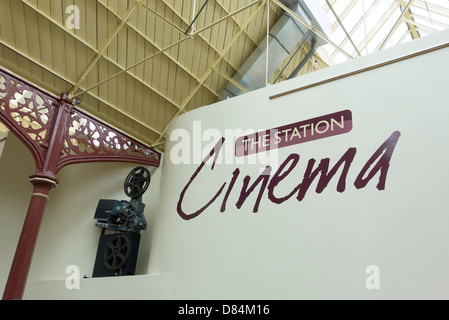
(121, 222)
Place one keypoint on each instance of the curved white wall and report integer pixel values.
(319, 247)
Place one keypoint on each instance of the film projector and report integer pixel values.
(121, 222)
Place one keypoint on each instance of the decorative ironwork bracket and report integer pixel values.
(36, 117)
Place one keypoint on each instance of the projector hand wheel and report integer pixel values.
(117, 252)
(137, 182)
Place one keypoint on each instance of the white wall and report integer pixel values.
(68, 235)
(16, 165)
(321, 247)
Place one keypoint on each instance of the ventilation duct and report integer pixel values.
(283, 38)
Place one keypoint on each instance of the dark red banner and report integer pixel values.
(296, 133)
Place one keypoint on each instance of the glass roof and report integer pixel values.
(361, 27)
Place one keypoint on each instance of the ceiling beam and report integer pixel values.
(361, 20)
(116, 64)
(430, 7)
(419, 25)
(176, 43)
(319, 34)
(153, 43)
(296, 57)
(235, 20)
(210, 69)
(201, 36)
(396, 25)
(103, 47)
(344, 14)
(437, 23)
(60, 76)
(127, 69)
(411, 26)
(195, 17)
(235, 83)
(343, 27)
(157, 14)
(378, 26)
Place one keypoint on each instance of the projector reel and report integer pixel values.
(117, 252)
(137, 182)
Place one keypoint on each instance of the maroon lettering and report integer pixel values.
(386, 150)
(309, 130)
(326, 177)
(182, 214)
(278, 177)
(235, 175)
(264, 178)
(266, 181)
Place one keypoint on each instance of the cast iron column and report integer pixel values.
(43, 181)
(25, 248)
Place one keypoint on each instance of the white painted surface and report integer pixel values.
(321, 247)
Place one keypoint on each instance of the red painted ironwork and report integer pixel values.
(57, 134)
(30, 114)
(89, 139)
